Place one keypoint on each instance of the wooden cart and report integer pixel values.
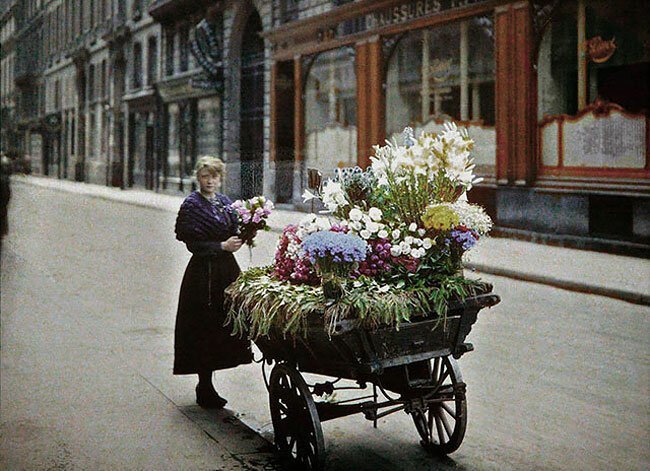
(413, 369)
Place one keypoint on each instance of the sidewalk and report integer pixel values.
(615, 276)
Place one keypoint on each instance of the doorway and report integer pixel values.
(252, 108)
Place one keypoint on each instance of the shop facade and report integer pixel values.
(553, 93)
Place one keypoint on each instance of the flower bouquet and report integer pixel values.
(389, 247)
(252, 214)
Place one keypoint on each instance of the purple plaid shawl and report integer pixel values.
(198, 220)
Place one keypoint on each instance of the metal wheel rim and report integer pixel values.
(297, 428)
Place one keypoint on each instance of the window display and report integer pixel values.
(330, 104)
(445, 73)
(593, 75)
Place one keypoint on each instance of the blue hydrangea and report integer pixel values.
(336, 247)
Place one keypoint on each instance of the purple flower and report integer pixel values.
(466, 238)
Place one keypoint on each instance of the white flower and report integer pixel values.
(405, 247)
(408, 240)
(473, 217)
(421, 232)
(396, 233)
(333, 195)
(365, 234)
(355, 214)
(307, 196)
(426, 243)
(413, 227)
(396, 251)
(375, 214)
(372, 227)
(383, 234)
(415, 253)
(322, 224)
(417, 242)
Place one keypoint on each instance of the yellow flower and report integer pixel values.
(439, 217)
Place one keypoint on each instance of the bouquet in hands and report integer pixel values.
(252, 214)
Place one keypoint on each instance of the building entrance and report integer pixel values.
(252, 108)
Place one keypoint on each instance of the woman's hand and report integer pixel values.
(233, 244)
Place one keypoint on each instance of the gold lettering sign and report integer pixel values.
(412, 10)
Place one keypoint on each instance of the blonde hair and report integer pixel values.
(214, 165)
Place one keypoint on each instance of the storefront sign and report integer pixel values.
(412, 10)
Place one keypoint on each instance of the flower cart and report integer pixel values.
(373, 293)
(414, 368)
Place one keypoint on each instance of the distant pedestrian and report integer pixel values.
(5, 193)
(207, 225)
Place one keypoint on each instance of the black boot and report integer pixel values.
(206, 396)
(209, 399)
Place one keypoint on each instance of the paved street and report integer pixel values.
(558, 380)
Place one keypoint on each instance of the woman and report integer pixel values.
(208, 227)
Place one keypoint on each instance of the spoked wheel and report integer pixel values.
(442, 424)
(297, 428)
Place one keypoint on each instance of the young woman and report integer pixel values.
(208, 227)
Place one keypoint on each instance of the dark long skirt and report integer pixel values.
(202, 343)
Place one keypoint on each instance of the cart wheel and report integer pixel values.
(442, 425)
(297, 428)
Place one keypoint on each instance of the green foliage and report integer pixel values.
(258, 302)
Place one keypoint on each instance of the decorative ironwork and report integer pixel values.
(206, 49)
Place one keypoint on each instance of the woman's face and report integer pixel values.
(208, 182)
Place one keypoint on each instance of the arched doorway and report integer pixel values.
(251, 138)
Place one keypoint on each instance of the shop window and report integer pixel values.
(593, 72)
(445, 73)
(330, 105)
(173, 149)
(187, 125)
(208, 127)
(138, 163)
